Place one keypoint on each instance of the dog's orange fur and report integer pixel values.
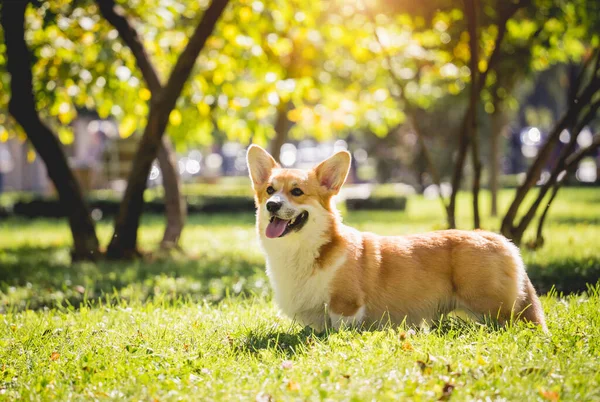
(398, 278)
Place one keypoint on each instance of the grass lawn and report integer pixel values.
(204, 327)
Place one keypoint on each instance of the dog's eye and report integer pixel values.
(270, 190)
(297, 192)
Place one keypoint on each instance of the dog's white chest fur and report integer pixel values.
(302, 289)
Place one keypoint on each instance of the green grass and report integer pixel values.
(203, 326)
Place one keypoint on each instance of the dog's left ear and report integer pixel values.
(332, 172)
(260, 165)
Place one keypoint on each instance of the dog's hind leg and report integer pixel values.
(531, 308)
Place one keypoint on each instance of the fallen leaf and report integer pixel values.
(263, 397)
(406, 346)
(131, 348)
(447, 391)
(550, 395)
(293, 385)
(186, 347)
(228, 340)
(532, 370)
(54, 356)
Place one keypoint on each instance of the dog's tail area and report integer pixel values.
(532, 307)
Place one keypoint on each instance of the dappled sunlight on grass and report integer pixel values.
(202, 325)
(242, 349)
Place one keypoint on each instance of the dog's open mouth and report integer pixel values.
(278, 227)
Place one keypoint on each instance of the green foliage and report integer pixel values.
(319, 62)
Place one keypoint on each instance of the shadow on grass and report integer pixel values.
(38, 277)
(576, 220)
(566, 276)
(288, 344)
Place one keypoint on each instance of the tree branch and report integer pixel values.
(571, 163)
(115, 15)
(124, 239)
(496, 53)
(558, 168)
(576, 86)
(187, 59)
(569, 119)
(574, 159)
(411, 113)
(474, 94)
(464, 138)
(22, 107)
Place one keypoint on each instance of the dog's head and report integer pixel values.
(291, 200)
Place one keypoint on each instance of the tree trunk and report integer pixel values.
(457, 175)
(579, 114)
(569, 165)
(124, 240)
(539, 237)
(471, 11)
(435, 176)
(22, 108)
(569, 119)
(282, 126)
(464, 141)
(175, 205)
(497, 123)
(563, 157)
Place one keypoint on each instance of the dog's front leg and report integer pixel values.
(349, 321)
(317, 318)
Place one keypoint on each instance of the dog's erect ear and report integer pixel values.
(260, 164)
(332, 172)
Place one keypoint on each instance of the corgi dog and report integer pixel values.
(326, 274)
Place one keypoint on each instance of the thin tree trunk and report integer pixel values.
(569, 119)
(471, 9)
(464, 139)
(580, 96)
(498, 124)
(435, 176)
(565, 154)
(570, 164)
(539, 237)
(175, 205)
(124, 240)
(282, 126)
(457, 174)
(22, 108)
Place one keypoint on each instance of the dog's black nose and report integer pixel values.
(273, 206)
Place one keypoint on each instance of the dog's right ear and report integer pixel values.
(260, 165)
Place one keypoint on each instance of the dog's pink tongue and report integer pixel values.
(276, 228)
